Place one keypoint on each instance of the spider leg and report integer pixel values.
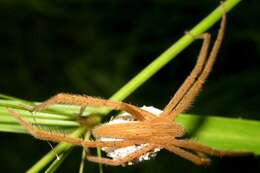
(192, 77)
(192, 145)
(56, 137)
(65, 98)
(122, 161)
(188, 155)
(188, 95)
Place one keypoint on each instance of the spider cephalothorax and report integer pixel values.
(148, 133)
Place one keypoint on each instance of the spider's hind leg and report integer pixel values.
(197, 147)
(197, 159)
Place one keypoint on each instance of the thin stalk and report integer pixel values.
(56, 163)
(100, 166)
(83, 155)
(172, 51)
(13, 128)
(42, 121)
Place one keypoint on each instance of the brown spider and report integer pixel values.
(147, 130)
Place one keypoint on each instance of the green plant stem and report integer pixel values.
(55, 164)
(100, 166)
(82, 161)
(13, 128)
(42, 121)
(84, 153)
(172, 51)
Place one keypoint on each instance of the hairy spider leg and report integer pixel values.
(188, 155)
(186, 94)
(55, 137)
(124, 160)
(195, 146)
(192, 77)
(65, 98)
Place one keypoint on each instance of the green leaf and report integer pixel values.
(230, 134)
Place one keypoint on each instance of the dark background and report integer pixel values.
(94, 47)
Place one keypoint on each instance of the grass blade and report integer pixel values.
(231, 134)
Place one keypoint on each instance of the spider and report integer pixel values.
(148, 131)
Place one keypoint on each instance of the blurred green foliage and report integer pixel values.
(94, 47)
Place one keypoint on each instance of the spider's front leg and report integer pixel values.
(83, 101)
(178, 96)
(193, 83)
(122, 161)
